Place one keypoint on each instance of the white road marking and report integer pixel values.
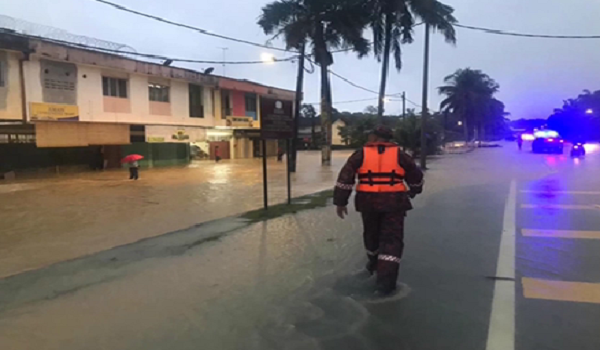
(501, 332)
(561, 206)
(591, 193)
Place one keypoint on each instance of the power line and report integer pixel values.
(525, 35)
(411, 102)
(348, 81)
(146, 55)
(205, 31)
(350, 49)
(407, 100)
(200, 30)
(348, 101)
(351, 83)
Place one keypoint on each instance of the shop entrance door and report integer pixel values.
(257, 148)
(223, 149)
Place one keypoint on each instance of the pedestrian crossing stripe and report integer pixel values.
(592, 193)
(561, 234)
(561, 206)
(579, 292)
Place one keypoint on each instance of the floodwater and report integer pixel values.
(56, 219)
(295, 281)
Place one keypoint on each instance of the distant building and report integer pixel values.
(305, 130)
(64, 105)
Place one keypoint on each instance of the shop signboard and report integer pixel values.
(251, 134)
(53, 112)
(239, 121)
(176, 134)
(276, 119)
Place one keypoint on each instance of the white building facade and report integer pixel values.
(57, 96)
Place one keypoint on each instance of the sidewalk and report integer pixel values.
(56, 219)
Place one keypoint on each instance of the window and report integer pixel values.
(137, 133)
(196, 101)
(114, 87)
(159, 93)
(226, 104)
(251, 105)
(17, 138)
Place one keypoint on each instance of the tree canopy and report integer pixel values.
(392, 22)
(324, 25)
(469, 94)
(579, 117)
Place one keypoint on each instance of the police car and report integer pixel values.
(545, 141)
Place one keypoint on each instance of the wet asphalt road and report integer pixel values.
(502, 252)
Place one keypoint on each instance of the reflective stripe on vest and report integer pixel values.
(380, 172)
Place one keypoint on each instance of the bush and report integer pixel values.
(408, 135)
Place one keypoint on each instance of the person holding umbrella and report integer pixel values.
(132, 159)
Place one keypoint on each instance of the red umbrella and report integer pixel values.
(132, 158)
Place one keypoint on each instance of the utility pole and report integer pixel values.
(327, 130)
(224, 59)
(425, 111)
(299, 85)
(403, 105)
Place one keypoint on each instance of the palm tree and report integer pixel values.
(392, 22)
(325, 25)
(468, 92)
(495, 118)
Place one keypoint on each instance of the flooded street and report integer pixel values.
(51, 220)
(296, 281)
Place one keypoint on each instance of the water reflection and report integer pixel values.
(84, 213)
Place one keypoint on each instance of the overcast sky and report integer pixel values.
(535, 75)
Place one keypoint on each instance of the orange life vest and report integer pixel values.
(381, 172)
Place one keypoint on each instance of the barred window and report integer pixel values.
(114, 87)
(159, 93)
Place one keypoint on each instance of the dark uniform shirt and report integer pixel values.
(373, 201)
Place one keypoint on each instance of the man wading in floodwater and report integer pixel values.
(383, 198)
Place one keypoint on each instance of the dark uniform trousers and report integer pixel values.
(384, 241)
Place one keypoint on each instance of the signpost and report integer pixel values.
(276, 123)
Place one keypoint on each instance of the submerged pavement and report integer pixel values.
(51, 220)
(500, 254)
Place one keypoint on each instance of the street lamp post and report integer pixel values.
(425, 90)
